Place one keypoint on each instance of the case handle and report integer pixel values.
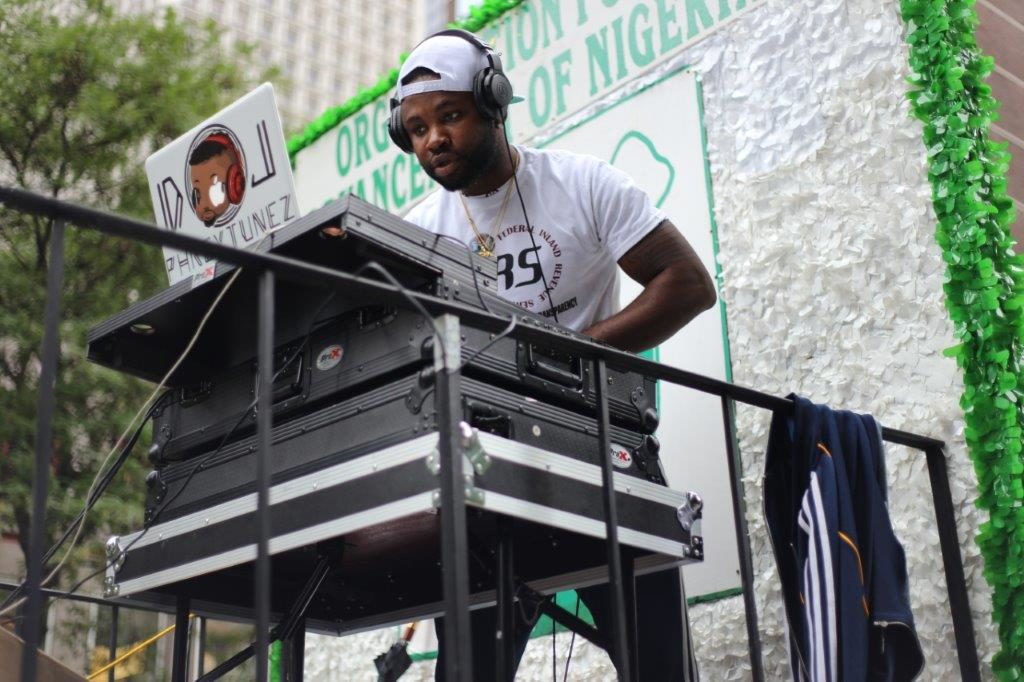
(566, 372)
(488, 419)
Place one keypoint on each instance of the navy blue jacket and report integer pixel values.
(843, 572)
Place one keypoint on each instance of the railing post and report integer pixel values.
(458, 658)
(263, 429)
(112, 641)
(739, 512)
(46, 401)
(956, 585)
(621, 653)
(179, 657)
(630, 613)
(201, 664)
(505, 607)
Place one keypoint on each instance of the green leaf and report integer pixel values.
(953, 351)
(984, 286)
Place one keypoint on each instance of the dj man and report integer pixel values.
(558, 224)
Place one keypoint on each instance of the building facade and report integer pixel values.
(326, 50)
(1001, 35)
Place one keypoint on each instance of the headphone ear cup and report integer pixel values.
(396, 130)
(235, 183)
(482, 96)
(500, 88)
(492, 92)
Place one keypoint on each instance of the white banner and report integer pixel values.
(561, 55)
(655, 136)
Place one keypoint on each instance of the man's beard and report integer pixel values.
(480, 160)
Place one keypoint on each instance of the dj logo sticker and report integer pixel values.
(329, 357)
(215, 175)
(621, 457)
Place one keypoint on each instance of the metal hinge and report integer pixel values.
(473, 494)
(473, 449)
(474, 457)
(475, 461)
(115, 554)
(689, 515)
(115, 560)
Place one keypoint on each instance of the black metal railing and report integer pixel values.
(453, 536)
(114, 629)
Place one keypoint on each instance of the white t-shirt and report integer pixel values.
(585, 215)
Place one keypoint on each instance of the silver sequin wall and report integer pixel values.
(833, 283)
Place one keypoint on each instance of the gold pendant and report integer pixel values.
(484, 246)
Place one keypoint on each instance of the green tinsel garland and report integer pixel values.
(984, 285)
(479, 16)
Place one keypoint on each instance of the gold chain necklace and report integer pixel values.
(485, 242)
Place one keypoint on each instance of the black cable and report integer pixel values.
(502, 334)
(380, 269)
(108, 476)
(512, 318)
(103, 482)
(188, 479)
(554, 654)
(202, 461)
(469, 254)
(246, 413)
(371, 265)
(156, 515)
(188, 348)
(572, 641)
(529, 228)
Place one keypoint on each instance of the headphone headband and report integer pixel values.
(459, 33)
(492, 57)
(492, 91)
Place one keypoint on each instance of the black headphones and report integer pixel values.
(492, 91)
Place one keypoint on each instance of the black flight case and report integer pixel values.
(354, 454)
(337, 345)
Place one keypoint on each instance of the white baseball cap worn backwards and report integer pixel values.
(454, 59)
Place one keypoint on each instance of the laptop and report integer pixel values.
(228, 179)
